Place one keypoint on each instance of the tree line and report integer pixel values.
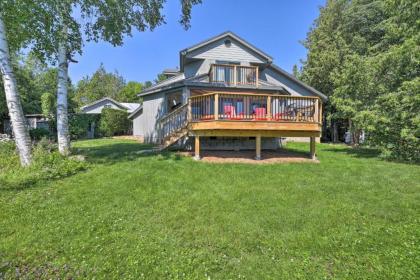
(37, 85)
(54, 31)
(365, 56)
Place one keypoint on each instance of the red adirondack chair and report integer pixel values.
(229, 111)
(260, 114)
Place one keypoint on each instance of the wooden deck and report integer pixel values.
(236, 114)
(247, 114)
(254, 115)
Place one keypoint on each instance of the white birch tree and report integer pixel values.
(63, 136)
(110, 21)
(23, 24)
(20, 130)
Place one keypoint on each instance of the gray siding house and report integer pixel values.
(231, 95)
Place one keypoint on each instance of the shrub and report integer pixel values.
(47, 164)
(114, 122)
(38, 133)
(79, 125)
(9, 159)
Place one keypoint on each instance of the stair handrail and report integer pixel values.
(173, 122)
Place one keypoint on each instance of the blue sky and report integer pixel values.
(275, 26)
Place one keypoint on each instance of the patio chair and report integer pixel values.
(260, 114)
(229, 111)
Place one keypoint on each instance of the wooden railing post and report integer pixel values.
(269, 116)
(189, 112)
(256, 76)
(316, 110)
(234, 75)
(216, 106)
(320, 113)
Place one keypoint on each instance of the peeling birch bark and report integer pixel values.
(17, 118)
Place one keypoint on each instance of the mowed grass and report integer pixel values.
(142, 216)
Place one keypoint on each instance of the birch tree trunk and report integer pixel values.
(20, 130)
(62, 111)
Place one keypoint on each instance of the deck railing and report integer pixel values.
(234, 74)
(173, 121)
(254, 107)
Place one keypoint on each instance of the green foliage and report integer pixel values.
(353, 216)
(47, 104)
(25, 73)
(37, 24)
(47, 164)
(30, 24)
(395, 126)
(365, 55)
(39, 133)
(80, 123)
(9, 159)
(114, 122)
(101, 84)
(160, 78)
(37, 85)
(129, 92)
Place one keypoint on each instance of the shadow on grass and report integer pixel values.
(295, 152)
(118, 152)
(358, 152)
(6, 186)
(104, 154)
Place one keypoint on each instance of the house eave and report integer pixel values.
(293, 78)
(85, 107)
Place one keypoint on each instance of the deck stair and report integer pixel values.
(173, 127)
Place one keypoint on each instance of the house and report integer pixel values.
(96, 107)
(228, 94)
(32, 121)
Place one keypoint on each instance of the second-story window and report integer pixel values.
(223, 71)
(232, 73)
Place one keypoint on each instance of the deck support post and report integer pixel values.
(258, 147)
(312, 143)
(197, 148)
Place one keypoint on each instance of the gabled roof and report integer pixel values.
(130, 107)
(227, 34)
(134, 113)
(179, 80)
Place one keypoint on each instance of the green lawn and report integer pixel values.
(353, 216)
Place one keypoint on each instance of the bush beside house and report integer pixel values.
(80, 124)
(114, 122)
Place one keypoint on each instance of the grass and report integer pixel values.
(134, 216)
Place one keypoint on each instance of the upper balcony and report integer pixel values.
(232, 74)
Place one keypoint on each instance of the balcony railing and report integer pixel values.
(234, 74)
(254, 107)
